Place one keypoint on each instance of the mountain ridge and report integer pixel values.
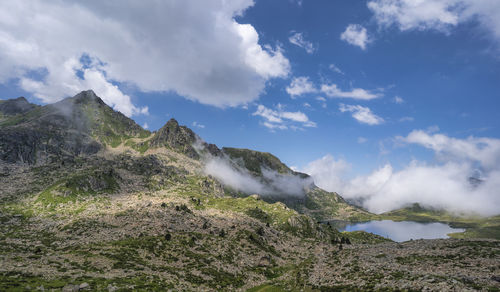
(90, 200)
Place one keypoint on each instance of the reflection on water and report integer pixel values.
(402, 231)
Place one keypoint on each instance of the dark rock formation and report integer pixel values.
(16, 106)
(179, 138)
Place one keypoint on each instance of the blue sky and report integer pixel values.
(377, 83)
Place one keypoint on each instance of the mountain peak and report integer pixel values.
(87, 96)
(16, 106)
(177, 137)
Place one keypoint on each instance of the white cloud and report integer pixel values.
(362, 140)
(198, 125)
(332, 90)
(300, 86)
(485, 151)
(307, 105)
(336, 69)
(440, 15)
(145, 126)
(197, 50)
(362, 114)
(356, 35)
(398, 100)
(327, 172)
(297, 38)
(443, 185)
(64, 82)
(280, 119)
(230, 173)
(322, 100)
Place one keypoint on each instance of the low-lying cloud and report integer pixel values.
(442, 185)
(274, 184)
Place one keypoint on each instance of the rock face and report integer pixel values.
(179, 138)
(74, 126)
(254, 161)
(16, 106)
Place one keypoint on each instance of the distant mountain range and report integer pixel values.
(83, 125)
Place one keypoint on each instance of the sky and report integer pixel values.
(385, 101)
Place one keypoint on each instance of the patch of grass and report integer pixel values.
(267, 288)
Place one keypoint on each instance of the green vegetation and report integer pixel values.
(254, 160)
(138, 146)
(476, 226)
(323, 205)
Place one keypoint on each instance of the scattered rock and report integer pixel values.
(265, 261)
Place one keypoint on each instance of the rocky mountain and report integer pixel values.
(15, 106)
(91, 201)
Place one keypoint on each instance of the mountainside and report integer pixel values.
(90, 200)
(82, 124)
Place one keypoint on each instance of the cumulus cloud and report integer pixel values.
(356, 35)
(440, 15)
(197, 50)
(273, 184)
(327, 172)
(300, 86)
(297, 38)
(281, 119)
(198, 125)
(486, 151)
(362, 114)
(332, 90)
(442, 185)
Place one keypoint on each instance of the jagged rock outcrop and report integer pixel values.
(16, 106)
(179, 138)
(71, 127)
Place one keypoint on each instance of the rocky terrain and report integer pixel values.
(91, 201)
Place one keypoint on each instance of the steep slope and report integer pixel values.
(78, 125)
(254, 161)
(15, 106)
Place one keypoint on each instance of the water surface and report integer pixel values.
(404, 230)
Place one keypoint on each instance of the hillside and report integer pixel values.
(90, 200)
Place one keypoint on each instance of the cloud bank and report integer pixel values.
(230, 173)
(196, 49)
(443, 185)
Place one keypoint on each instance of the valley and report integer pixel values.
(92, 201)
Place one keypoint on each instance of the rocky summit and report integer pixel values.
(89, 200)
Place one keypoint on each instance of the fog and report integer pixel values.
(231, 173)
(444, 184)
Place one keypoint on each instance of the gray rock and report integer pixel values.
(71, 288)
(84, 286)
